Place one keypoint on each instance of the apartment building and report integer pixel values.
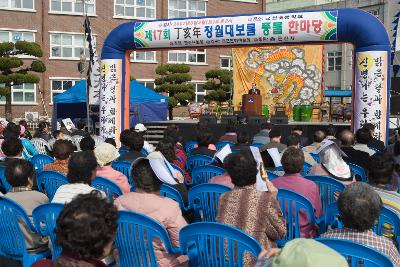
(57, 25)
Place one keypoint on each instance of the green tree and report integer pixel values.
(218, 85)
(14, 71)
(174, 81)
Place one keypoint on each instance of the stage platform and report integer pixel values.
(188, 128)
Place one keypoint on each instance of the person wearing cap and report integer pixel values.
(359, 208)
(293, 163)
(147, 200)
(140, 128)
(301, 252)
(105, 154)
(275, 141)
(332, 163)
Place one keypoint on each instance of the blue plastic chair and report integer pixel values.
(189, 146)
(144, 152)
(197, 161)
(122, 151)
(357, 254)
(134, 239)
(316, 157)
(204, 198)
(202, 174)
(49, 181)
(109, 187)
(170, 192)
(221, 144)
(257, 145)
(125, 168)
(388, 217)
(40, 160)
(357, 170)
(209, 244)
(272, 175)
(12, 242)
(291, 204)
(306, 168)
(4, 185)
(45, 218)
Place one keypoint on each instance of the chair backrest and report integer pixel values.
(125, 168)
(4, 185)
(109, 187)
(291, 204)
(40, 160)
(306, 168)
(189, 146)
(144, 152)
(357, 254)
(77, 139)
(49, 181)
(45, 218)
(12, 242)
(316, 157)
(271, 175)
(134, 239)
(122, 151)
(221, 144)
(215, 244)
(197, 160)
(257, 145)
(170, 192)
(357, 170)
(40, 144)
(202, 174)
(204, 200)
(327, 188)
(388, 225)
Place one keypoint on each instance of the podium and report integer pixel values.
(251, 104)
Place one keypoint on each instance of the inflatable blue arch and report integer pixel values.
(364, 31)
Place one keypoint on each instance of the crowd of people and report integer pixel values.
(256, 212)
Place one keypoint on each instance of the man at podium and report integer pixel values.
(254, 90)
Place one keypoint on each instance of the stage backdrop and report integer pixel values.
(289, 75)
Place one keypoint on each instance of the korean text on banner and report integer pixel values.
(371, 91)
(239, 30)
(110, 94)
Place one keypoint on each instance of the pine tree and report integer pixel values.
(218, 85)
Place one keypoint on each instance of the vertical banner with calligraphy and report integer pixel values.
(110, 98)
(370, 101)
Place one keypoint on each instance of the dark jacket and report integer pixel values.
(203, 151)
(357, 157)
(81, 133)
(131, 156)
(376, 144)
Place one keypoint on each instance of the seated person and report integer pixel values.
(230, 134)
(87, 144)
(147, 200)
(255, 212)
(293, 140)
(354, 156)
(85, 234)
(81, 171)
(374, 142)
(43, 131)
(204, 139)
(380, 174)
(111, 141)
(62, 150)
(80, 126)
(243, 141)
(332, 164)
(318, 137)
(20, 174)
(359, 208)
(275, 141)
(303, 139)
(363, 138)
(172, 133)
(141, 129)
(262, 137)
(12, 149)
(105, 154)
(134, 141)
(293, 162)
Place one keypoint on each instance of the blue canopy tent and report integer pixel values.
(145, 104)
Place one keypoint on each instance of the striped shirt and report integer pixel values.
(67, 192)
(370, 239)
(390, 199)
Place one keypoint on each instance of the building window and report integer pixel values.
(148, 83)
(187, 56)
(334, 61)
(66, 45)
(186, 8)
(17, 4)
(59, 86)
(225, 62)
(15, 36)
(73, 7)
(24, 93)
(144, 9)
(200, 92)
(148, 56)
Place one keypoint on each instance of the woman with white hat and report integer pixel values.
(105, 154)
(332, 163)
